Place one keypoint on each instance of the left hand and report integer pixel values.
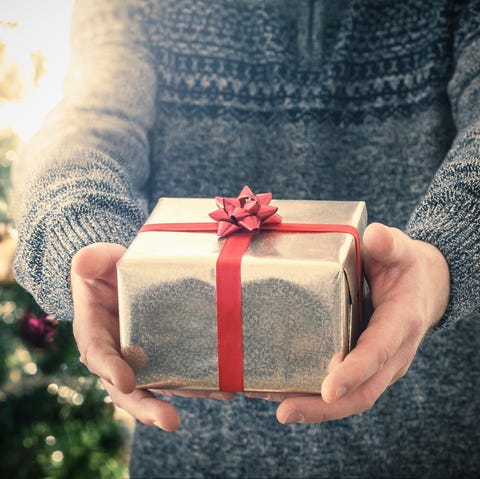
(410, 286)
(97, 333)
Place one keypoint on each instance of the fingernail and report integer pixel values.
(295, 417)
(341, 391)
(256, 395)
(171, 428)
(162, 427)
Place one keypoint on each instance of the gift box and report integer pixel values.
(284, 305)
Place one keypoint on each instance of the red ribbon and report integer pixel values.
(229, 288)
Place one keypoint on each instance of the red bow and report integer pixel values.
(248, 211)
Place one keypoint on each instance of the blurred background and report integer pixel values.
(56, 420)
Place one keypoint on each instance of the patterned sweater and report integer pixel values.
(353, 99)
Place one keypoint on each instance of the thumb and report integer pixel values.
(97, 261)
(385, 245)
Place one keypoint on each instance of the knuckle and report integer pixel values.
(406, 357)
(414, 319)
(86, 356)
(405, 360)
(84, 359)
(358, 376)
(416, 325)
(383, 354)
(359, 372)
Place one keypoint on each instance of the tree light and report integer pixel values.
(50, 440)
(57, 457)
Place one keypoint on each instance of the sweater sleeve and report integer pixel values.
(81, 178)
(449, 214)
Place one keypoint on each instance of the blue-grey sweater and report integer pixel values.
(371, 100)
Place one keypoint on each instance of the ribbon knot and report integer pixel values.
(245, 212)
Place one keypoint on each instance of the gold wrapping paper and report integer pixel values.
(297, 290)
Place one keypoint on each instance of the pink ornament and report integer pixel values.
(38, 330)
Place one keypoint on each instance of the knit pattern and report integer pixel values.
(267, 72)
(356, 100)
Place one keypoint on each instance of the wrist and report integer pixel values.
(437, 278)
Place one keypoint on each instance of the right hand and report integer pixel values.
(96, 331)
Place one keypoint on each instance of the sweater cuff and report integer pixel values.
(45, 251)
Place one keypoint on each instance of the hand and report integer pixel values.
(96, 331)
(410, 286)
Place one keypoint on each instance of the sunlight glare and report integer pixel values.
(42, 27)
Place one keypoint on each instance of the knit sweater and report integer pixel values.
(369, 100)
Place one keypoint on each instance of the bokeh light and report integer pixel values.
(34, 45)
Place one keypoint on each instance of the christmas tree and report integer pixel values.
(56, 420)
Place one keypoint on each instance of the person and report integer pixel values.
(346, 100)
